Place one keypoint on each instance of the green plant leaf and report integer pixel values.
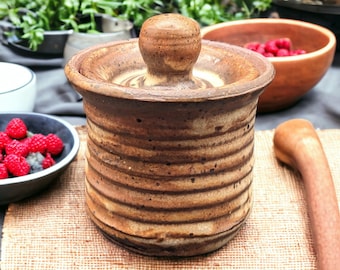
(35, 16)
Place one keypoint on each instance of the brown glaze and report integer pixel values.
(169, 165)
(168, 51)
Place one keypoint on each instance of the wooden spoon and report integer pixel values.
(297, 144)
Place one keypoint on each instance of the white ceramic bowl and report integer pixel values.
(17, 88)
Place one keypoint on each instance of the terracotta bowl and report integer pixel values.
(295, 75)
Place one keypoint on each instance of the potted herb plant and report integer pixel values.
(37, 21)
(205, 12)
(33, 20)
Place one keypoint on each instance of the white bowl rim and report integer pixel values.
(32, 78)
(329, 33)
(56, 167)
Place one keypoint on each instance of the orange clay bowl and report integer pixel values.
(295, 75)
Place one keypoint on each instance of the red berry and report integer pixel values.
(270, 46)
(17, 147)
(3, 171)
(274, 48)
(16, 165)
(282, 52)
(268, 54)
(284, 43)
(261, 49)
(252, 46)
(16, 128)
(48, 161)
(26, 140)
(297, 52)
(4, 140)
(37, 143)
(54, 144)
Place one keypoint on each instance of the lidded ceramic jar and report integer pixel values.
(170, 121)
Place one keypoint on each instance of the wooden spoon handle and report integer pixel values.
(297, 144)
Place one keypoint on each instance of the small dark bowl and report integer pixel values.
(18, 188)
(51, 47)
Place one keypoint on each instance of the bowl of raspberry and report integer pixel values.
(35, 149)
(301, 53)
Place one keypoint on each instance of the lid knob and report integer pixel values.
(170, 45)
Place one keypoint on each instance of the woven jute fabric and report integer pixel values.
(52, 230)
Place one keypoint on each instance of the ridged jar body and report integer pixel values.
(169, 170)
(166, 178)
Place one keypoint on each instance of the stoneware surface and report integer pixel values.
(170, 141)
(18, 188)
(295, 75)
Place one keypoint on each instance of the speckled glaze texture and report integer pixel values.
(166, 48)
(169, 168)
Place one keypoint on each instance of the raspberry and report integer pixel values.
(23, 152)
(48, 161)
(17, 147)
(16, 128)
(270, 46)
(37, 143)
(297, 52)
(16, 165)
(274, 48)
(268, 54)
(282, 52)
(3, 171)
(261, 49)
(252, 46)
(4, 140)
(54, 144)
(284, 43)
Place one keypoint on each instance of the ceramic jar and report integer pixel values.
(170, 150)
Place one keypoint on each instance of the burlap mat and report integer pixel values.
(52, 230)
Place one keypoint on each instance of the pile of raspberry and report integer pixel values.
(275, 48)
(22, 152)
